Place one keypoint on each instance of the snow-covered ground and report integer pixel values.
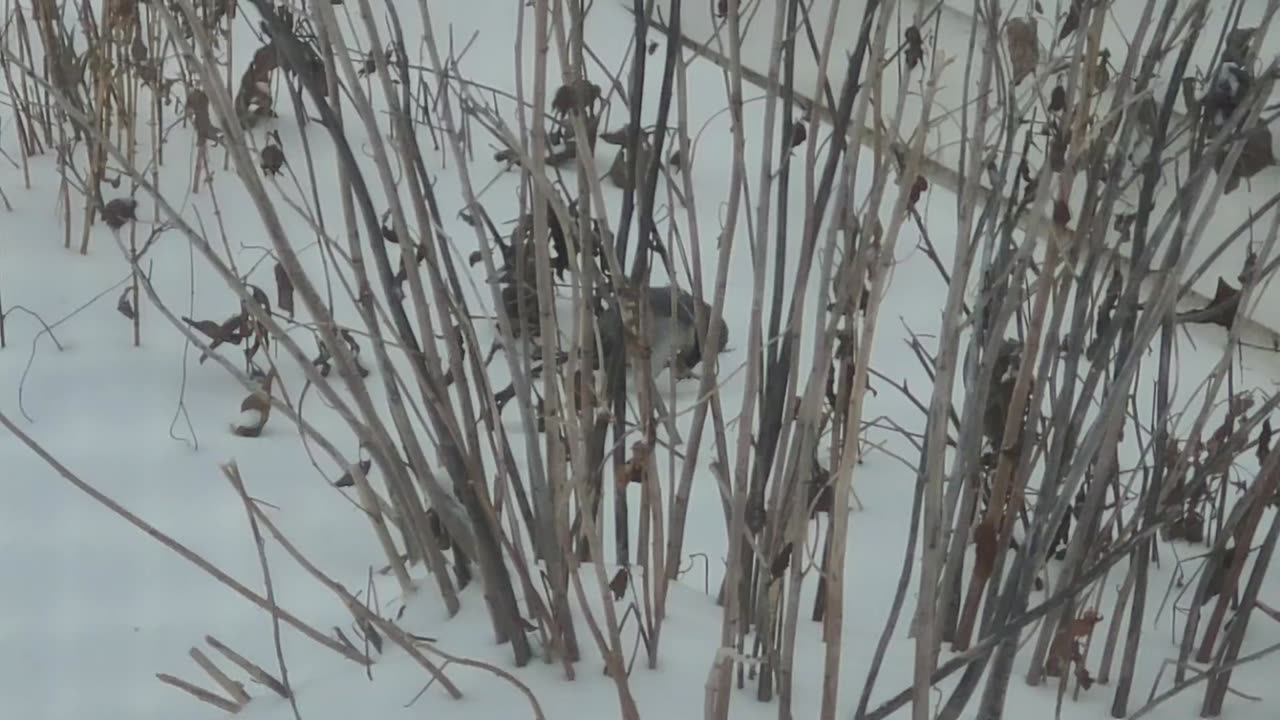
(91, 608)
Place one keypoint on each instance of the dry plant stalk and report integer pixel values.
(1037, 402)
(201, 694)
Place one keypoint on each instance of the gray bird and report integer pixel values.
(674, 339)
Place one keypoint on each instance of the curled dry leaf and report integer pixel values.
(1058, 99)
(196, 108)
(1239, 404)
(1061, 214)
(1190, 96)
(913, 47)
(780, 562)
(255, 410)
(1189, 527)
(1058, 144)
(1071, 22)
(259, 296)
(272, 159)
(1083, 677)
(1065, 650)
(124, 305)
(619, 173)
(633, 470)
(756, 515)
(1238, 43)
(615, 137)
(354, 347)
(1024, 47)
(228, 331)
(578, 96)
(348, 477)
(437, 529)
(1083, 626)
(798, 133)
(918, 188)
(322, 360)
(984, 543)
(1147, 114)
(618, 585)
(120, 211)
(284, 290)
(1256, 156)
(1264, 440)
(1221, 310)
(1219, 568)
(371, 634)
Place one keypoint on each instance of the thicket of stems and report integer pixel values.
(1056, 449)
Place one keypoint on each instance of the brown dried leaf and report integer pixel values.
(984, 544)
(1256, 156)
(821, 494)
(1264, 440)
(119, 211)
(918, 188)
(781, 561)
(1083, 677)
(124, 305)
(272, 159)
(1061, 651)
(371, 634)
(1024, 47)
(618, 173)
(1217, 580)
(284, 290)
(1058, 99)
(437, 529)
(1061, 214)
(1071, 22)
(1190, 97)
(1189, 527)
(1059, 142)
(1083, 626)
(348, 477)
(322, 361)
(224, 332)
(755, 513)
(1236, 47)
(618, 585)
(1147, 114)
(633, 470)
(1221, 310)
(798, 133)
(620, 170)
(259, 401)
(615, 137)
(579, 96)
(913, 47)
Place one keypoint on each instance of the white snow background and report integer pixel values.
(91, 608)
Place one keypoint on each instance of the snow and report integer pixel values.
(91, 608)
